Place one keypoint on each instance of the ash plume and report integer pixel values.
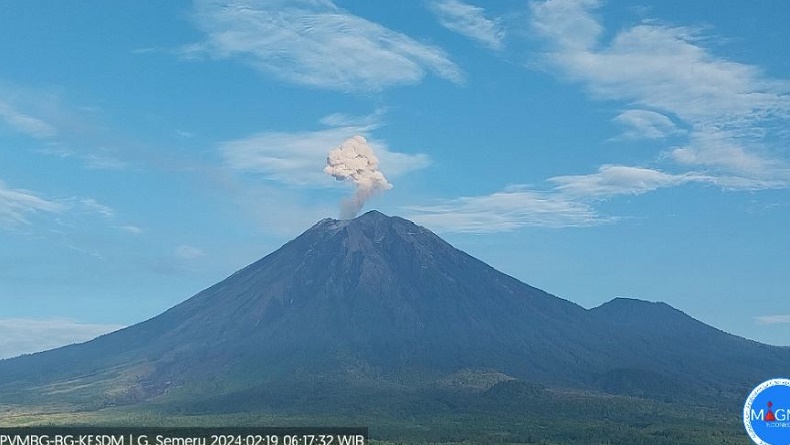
(355, 159)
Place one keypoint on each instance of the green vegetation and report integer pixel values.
(510, 412)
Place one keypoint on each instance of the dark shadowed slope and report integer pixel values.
(378, 300)
(685, 351)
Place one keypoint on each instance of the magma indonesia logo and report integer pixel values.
(766, 413)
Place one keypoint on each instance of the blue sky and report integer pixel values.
(593, 149)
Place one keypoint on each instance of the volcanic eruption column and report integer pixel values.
(355, 159)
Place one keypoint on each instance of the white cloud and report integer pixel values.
(16, 205)
(102, 162)
(299, 158)
(65, 131)
(23, 336)
(185, 134)
(569, 203)
(395, 163)
(346, 120)
(290, 158)
(507, 210)
(92, 158)
(92, 206)
(22, 211)
(25, 123)
(313, 42)
(134, 230)
(773, 319)
(728, 155)
(730, 108)
(611, 180)
(188, 253)
(645, 124)
(469, 21)
(566, 23)
(673, 86)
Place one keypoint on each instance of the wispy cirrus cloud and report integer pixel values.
(368, 121)
(22, 211)
(773, 319)
(188, 253)
(612, 180)
(62, 130)
(730, 109)
(646, 124)
(723, 117)
(24, 335)
(569, 202)
(92, 158)
(134, 230)
(469, 21)
(298, 158)
(25, 123)
(506, 210)
(93, 206)
(315, 43)
(17, 205)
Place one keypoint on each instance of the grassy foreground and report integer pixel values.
(546, 418)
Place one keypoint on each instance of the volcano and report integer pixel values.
(382, 304)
